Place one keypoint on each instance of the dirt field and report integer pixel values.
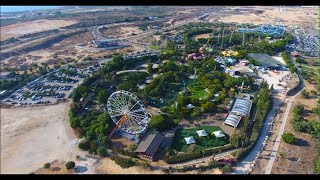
(108, 166)
(19, 29)
(299, 159)
(303, 17)
(56, 167)
(120, 32)
(33, 136)
(205, 36)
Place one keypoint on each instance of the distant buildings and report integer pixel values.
(105, 43)
(153, 18)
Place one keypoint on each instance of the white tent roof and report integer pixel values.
(218, 134)
(202, 133)
(190, 140)
(190, 106)
(232, 120)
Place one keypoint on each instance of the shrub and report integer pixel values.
(289, 138)
(226, 169)
(183, 157)
(70, 165)
(305, 94)
(313, 92)
(317, 166)
(47, 165)
(282, 154)
(85, 145)
(123, 162)
(101, 151)
(132, 147)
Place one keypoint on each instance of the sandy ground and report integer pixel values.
(299, 159)
(16, 30)
(304, 17)
(205, 36)
(108, 166)
(33, 136)
(120, 32)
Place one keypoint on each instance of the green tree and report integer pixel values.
(235, 139)
(305, 94)
(161, 122)
(289, 138)
(150, 69)
(132, 147)
(226, 168)
(298, 109)
(46, 165)
(103, 96)
(70, 165)
(101, 151)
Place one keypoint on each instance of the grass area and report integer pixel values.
(202, 143)
(154, 47)
(197, 91)
(170, 94)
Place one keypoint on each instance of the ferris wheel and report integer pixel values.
(127, 112)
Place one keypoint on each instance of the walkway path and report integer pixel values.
(277, 142)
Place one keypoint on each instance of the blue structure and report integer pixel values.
(271, 29)
(134, 137)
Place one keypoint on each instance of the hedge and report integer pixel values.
(190, 156)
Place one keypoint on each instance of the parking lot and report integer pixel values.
(51, 88)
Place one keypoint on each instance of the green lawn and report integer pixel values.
(197, 91)
(202, 143)
(154, 47)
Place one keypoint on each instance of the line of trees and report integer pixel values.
(263, 101)
(286, 57)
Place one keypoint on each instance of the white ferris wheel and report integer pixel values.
(127, 112)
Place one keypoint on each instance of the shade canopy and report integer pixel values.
(218, 134)
(190, 140)
(190, 106)
(202, 133)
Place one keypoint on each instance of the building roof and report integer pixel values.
(265, 60)
(218, 134)
(190, 106)
(190, 140)
(250, 74)
(202, 133)
(232, 120)
(150, 143)
(241, 107)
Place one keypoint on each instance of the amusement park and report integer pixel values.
(172, 109)
(160, 90)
